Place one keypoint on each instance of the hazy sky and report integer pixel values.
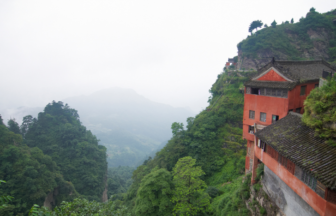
(168, 51)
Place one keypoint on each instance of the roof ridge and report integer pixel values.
(295, 114)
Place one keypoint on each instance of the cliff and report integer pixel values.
(313, 37)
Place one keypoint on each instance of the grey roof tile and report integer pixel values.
(297, 71)
(296, 141)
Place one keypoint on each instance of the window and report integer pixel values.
(316, 85)
(262, 91)
(251, 114)
(263, 117)
(298, 110)
(303, 90)
(255, 91)
(251, 129)
(284, 93)
(262, 144)
(275, 118)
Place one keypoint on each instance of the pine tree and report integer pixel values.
(189, 193)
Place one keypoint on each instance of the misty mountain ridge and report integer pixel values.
(128, 124)
(131, 126)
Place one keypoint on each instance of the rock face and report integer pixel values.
(316, 49)
(260, 204)
(49, 201)
(104, 196)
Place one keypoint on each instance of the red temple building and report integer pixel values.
(273, 102)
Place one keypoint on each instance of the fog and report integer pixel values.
(168, 51)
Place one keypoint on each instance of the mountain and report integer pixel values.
(313, 37)
(128, 124)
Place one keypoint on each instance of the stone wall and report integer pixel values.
(284, 197)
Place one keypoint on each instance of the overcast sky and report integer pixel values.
(168, 51)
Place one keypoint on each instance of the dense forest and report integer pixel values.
(53, 156)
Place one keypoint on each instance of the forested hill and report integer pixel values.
(214, 139)
(50, 159)
(311, 37)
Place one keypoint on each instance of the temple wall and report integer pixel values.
(285, 198)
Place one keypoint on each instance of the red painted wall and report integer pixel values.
(295, 99)
(269, 105)
(272, 76)
(315, 201)
(272, 106)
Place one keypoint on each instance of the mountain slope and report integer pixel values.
(213, 138)
(313, 37)
(58, 133)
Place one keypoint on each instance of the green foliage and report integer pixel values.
(37, 211)
(232, 198)
(4, 199)
(188, 194)
(155, 193)
(27, 122)
(260, 171)
(273, 24)
(262, 210)
(177, 128)
(1, 121)
(292, 20)
(332, 54)
(320, 110)
(13, 126)
(30, 174)
(119, 179)
(213, 137)
(59, 134)
(255, 25)
(282, 41)
(79, 207)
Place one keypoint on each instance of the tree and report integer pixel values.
(176, 128)
(14, 126)
(189, 193)
(320, 110)
(27, 122)
(273, 24)
(190, 122)
(30, 175)
(154, 195)
(255, 25)
(312, 10)
(265, 26)
(292, 20)
(59, 133)
(4, 199)
(1, 121)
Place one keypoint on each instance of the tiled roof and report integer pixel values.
(297, 71)
(296, 141)
(300, 70)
